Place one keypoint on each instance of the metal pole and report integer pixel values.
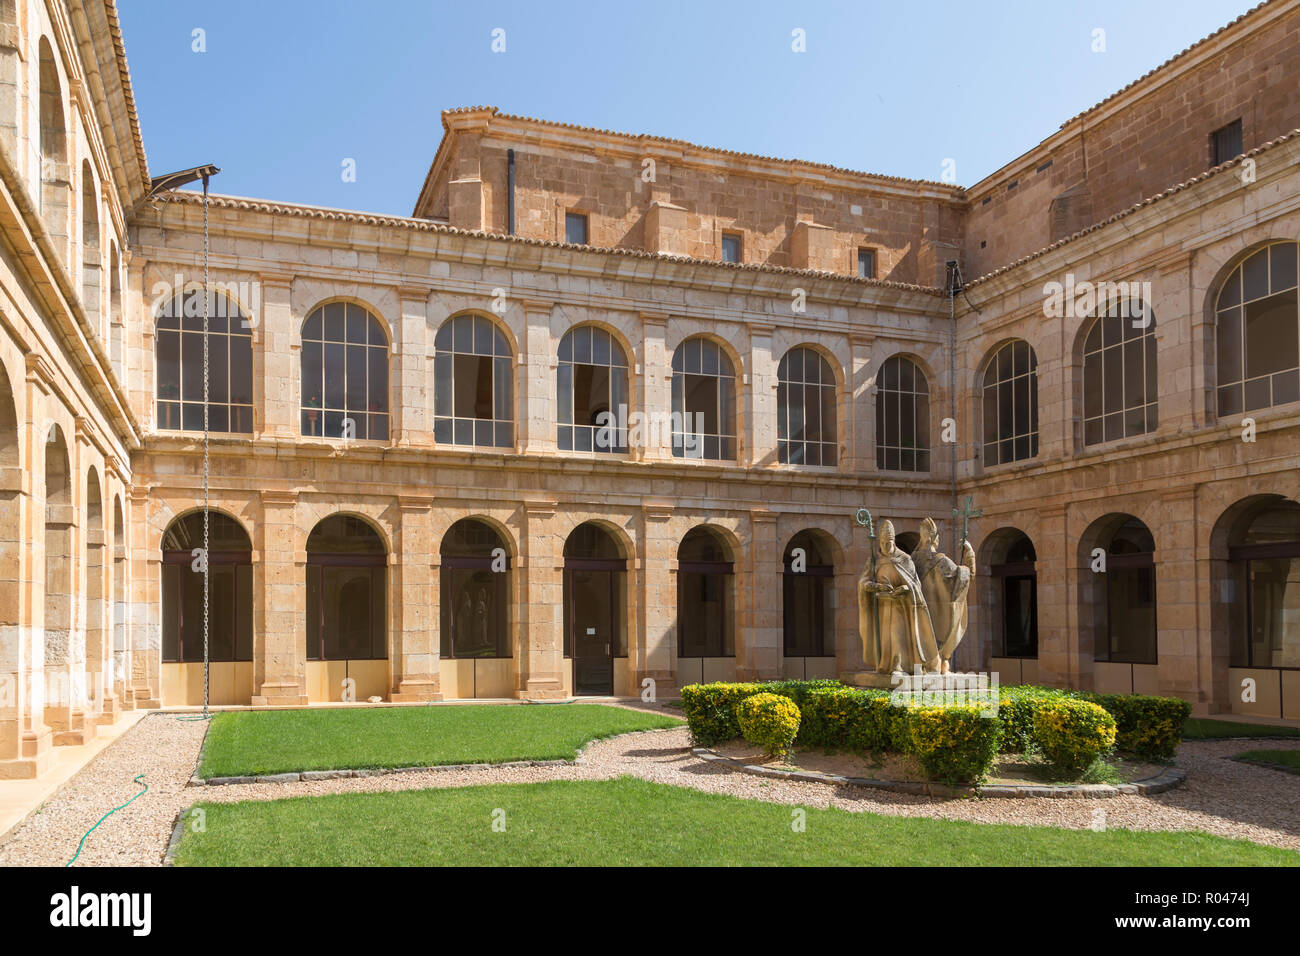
(206, 461)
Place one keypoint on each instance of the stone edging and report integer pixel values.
(178, 830)
(1165, 780)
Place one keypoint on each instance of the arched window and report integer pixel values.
(1264, 563)
(180, 365)
(595, 602)
(475, 591)
(1258, 332)
(1119, 373)
(808, 585)
(472, 375)
(805, 409)
(346, 587)
(902, 416)
(592, 389)
(1011, 404)
(91, 262)
(704, 402)
(1122, 600)
(704, 596)
(230, 590)
(344, 374)
(52, 172)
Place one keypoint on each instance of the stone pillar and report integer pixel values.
(760, 644)
(536, 381)
(762, 393)
(409, 357)
(145, 605)
(658, 603)
(1060, 660)
(280, 599)
(1184, 667)
(541, 603)
(277, 357)
(656, 382)
(860, 430)
(414, 628)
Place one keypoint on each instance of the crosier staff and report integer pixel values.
(863, 518)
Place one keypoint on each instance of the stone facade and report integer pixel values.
(92, 482)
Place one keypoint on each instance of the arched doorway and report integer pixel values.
(475, 612)
(121, 663)
(1117, 604)
(347, 611)
(706, 642)
(595, 601)
(1263, 605)
(1011, 594)
(808, 607)
(229, 611)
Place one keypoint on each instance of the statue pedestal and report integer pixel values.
(953, 681)
(871, 679)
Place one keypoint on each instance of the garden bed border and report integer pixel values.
(1167, 779)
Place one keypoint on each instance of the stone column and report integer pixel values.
(762, 396)
(656, 381)
(280, 599)
(1060, 659)
(760, 645)
(145, 605)
(659, 599)
(414, 627)
(536, 381)
(860, 430)
(276, 361)
(1184, 666)
(409, 355)
(541, 603)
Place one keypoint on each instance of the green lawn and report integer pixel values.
(631, 822)
(1288, 759)
(243, 743)
(1203, 728)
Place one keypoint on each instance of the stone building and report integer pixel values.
(602, 411)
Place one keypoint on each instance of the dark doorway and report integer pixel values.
(594, 588)
(1018, 587)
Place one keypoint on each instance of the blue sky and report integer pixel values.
(287, 90)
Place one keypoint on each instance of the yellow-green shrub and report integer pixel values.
(954, 744)
(1073, 733)
(769, 721)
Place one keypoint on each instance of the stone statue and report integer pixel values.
(894, 620)
(945, 586)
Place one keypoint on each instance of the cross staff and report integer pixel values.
(863, 517)
(966, 514)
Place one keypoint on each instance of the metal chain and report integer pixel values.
(206, 463)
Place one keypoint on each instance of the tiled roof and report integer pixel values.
(1208, 174)
(424, 225)
(115, 29)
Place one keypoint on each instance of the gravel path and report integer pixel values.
(1221, 796)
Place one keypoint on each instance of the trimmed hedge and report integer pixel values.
(710, 709)
(770, 721)
(1073, 733)
(954, 744)
(851, 718)
(1016, 708)
(836, 717)
(1145, 725)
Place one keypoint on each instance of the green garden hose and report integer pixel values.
(138, 778)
